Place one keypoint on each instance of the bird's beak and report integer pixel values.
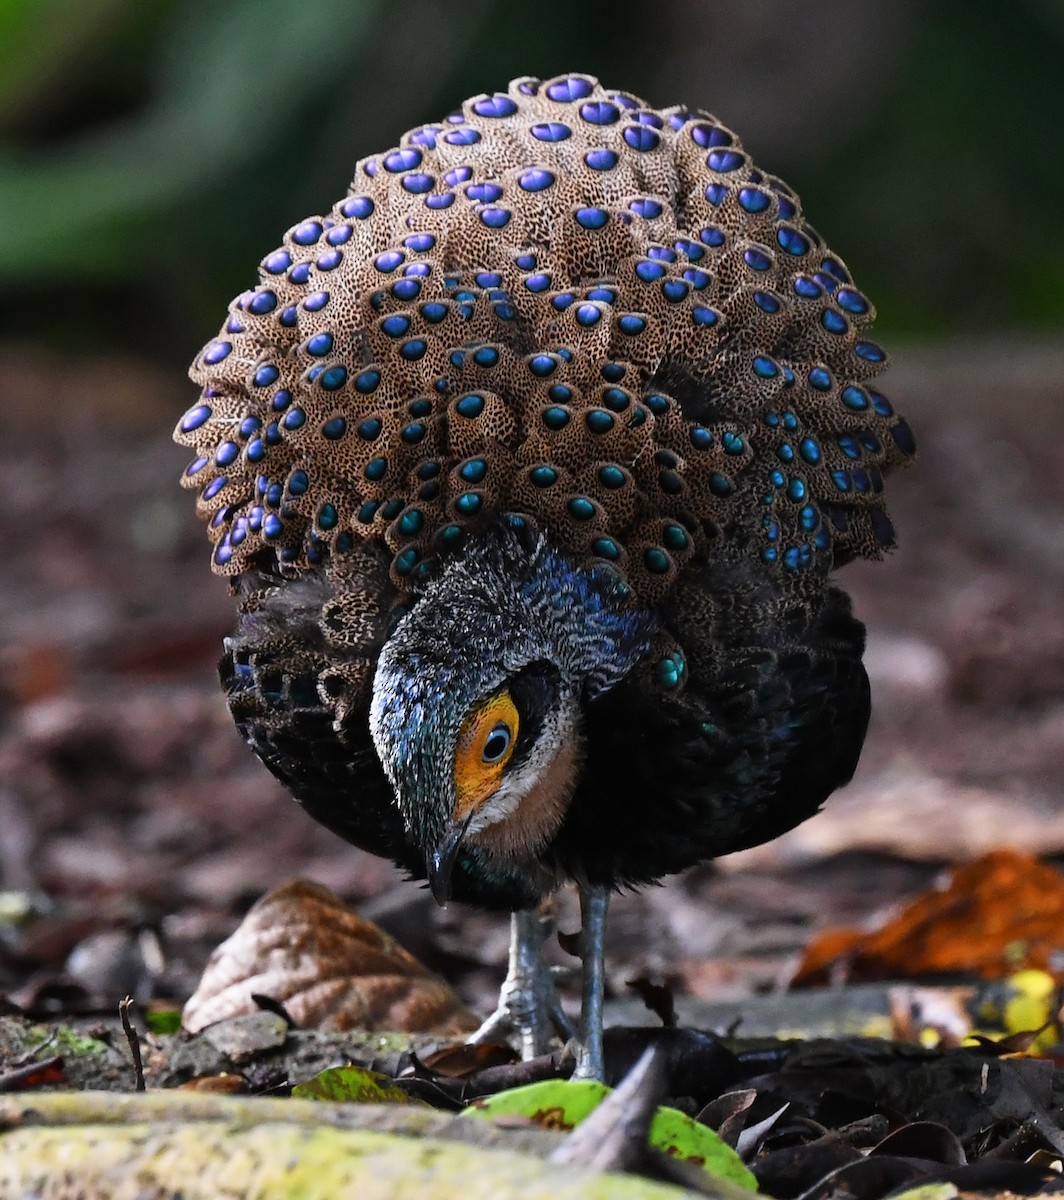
(441, 861)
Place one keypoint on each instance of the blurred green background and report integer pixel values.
(151, 153)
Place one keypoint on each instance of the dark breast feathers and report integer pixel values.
(600, 321)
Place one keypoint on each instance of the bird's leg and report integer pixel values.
(594, 901)
(529, 1006)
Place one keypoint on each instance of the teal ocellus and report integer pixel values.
(531, 462)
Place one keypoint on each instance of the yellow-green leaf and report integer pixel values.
(563, 1104)
(203, 1160)
(353, 1085)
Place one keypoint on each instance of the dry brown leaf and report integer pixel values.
(223, 1084)
(459, 1061)
(1000, 913)
(329, 968)
(943, 1011)
(919, 815)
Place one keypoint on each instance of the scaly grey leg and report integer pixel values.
(594, 901)
(529, 1006)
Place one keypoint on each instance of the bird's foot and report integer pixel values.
(529, 1013)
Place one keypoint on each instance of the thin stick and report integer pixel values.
(29, 1075)
(134, 1043)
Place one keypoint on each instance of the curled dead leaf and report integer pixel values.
(329, 968)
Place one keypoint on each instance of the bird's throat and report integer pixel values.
(523, 832)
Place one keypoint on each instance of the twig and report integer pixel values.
(134, 1043)
(34, 1054)
(270, 1005)
(30, 1075)
(614, 1136)
(489, 1080)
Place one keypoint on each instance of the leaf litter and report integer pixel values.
(123, 870)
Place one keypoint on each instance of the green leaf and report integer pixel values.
(682, 1137)
(563, 1104)
(554, 1103)
(351, 1085)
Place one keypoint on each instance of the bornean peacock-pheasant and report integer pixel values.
(531, 461)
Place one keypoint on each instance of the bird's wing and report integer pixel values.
(298, 676)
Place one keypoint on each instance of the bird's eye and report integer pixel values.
(485, 746)
(497, 743)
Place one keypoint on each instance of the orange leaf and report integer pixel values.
(998, 914)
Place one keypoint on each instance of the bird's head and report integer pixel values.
(478, 699)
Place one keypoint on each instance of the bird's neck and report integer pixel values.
(580, 618)
(504, 604)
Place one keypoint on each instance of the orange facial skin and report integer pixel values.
(485, 746)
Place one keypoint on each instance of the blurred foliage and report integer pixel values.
(953, 179)
(151, 154)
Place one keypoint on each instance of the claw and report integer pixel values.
(530, 1010)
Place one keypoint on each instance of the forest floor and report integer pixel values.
(135, 828)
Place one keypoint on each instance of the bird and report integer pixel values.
(530, 464)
